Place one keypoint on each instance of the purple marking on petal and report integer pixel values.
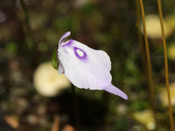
(78, 51)
(63, 38)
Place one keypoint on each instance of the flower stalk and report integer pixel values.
(148, 60)
(166, 64)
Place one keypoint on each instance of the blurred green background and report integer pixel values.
(29, 34)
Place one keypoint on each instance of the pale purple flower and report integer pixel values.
(85, 67)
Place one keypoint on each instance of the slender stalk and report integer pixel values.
(140, 40)
(138, 28)
(30, 34)
(77, 117)
(150, 81)
(166, 64)
(27, 19)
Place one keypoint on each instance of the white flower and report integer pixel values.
(48, 82)
(145, 117)
(153, 27)
(85, 67)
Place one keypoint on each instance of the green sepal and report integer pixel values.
(55, 59)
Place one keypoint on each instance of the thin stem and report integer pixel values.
(27, 19)
(26, 15)
(166, 64)
(77, 117)
(30, 33)
(138, 25)
(140, 40)
(150, 81)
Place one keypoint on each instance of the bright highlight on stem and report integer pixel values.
(166, 64)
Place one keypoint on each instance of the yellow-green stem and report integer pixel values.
(166, 64)
(147, 57)
(76, 110)
(140, 40)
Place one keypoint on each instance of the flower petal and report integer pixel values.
(85, 67)
(60, 69)
(63, 38)
(114, 90)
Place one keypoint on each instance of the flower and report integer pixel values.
(85, 67)
(47, 81)
(145, 117)
(153, 27)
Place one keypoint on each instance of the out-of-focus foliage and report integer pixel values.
(29, 37)
(146, 117)
(171, 52)
(164, 97)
